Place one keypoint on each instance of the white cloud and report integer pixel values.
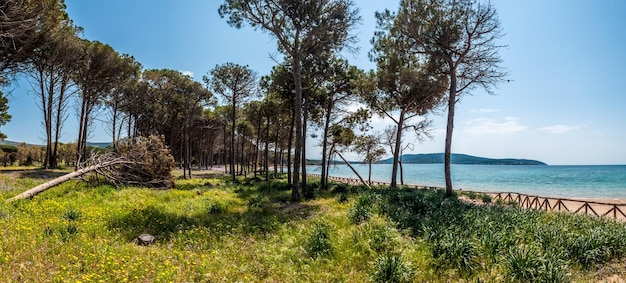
(480, 126)
(560, 129)
(486, 110)
(188, 73)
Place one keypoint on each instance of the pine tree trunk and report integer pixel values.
(449, 128)
(325, 156)
(297, 106)
(396, 151)
(352, 168)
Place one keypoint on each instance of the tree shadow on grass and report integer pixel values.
(39, 174)
(253, 221)
(192, 186)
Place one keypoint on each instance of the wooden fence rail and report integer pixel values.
(594, 208)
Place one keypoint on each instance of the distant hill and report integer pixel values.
(100, 144)
(16, 143)
(455, 158)
(94, 144)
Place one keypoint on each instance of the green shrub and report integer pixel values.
(318, 243)
(415, 209)
(338, 188)
(391, 268)
(308, 192)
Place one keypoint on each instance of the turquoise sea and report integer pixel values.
(597, 181)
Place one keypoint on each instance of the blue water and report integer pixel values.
(600, 182)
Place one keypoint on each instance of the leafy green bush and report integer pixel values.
(338, 188)
(391, 268)
(412, 208)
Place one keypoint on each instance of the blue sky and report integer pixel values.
(564, 105)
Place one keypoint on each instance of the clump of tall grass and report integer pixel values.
(485, 198)
(258, 201)
(376, 236)
(411, 208)
(391, 268)
(455, 250)
(318, 243)
(470, 238)
(216, 208)
(470, 194)
(273, 186)
(528, 264)
(593, 246)
(71, 214)
(342, 198)
(363, 208)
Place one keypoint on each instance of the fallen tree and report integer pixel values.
(143, 161)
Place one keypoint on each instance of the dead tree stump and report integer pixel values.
(145, 239)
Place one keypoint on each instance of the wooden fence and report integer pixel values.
(594, 208)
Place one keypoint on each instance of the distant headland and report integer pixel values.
(456, 158)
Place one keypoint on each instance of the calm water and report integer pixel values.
(602, 182)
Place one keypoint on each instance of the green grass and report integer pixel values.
(214, 230)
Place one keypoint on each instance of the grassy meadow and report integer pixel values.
(212, 230)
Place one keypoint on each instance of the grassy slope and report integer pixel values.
(211, 231)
